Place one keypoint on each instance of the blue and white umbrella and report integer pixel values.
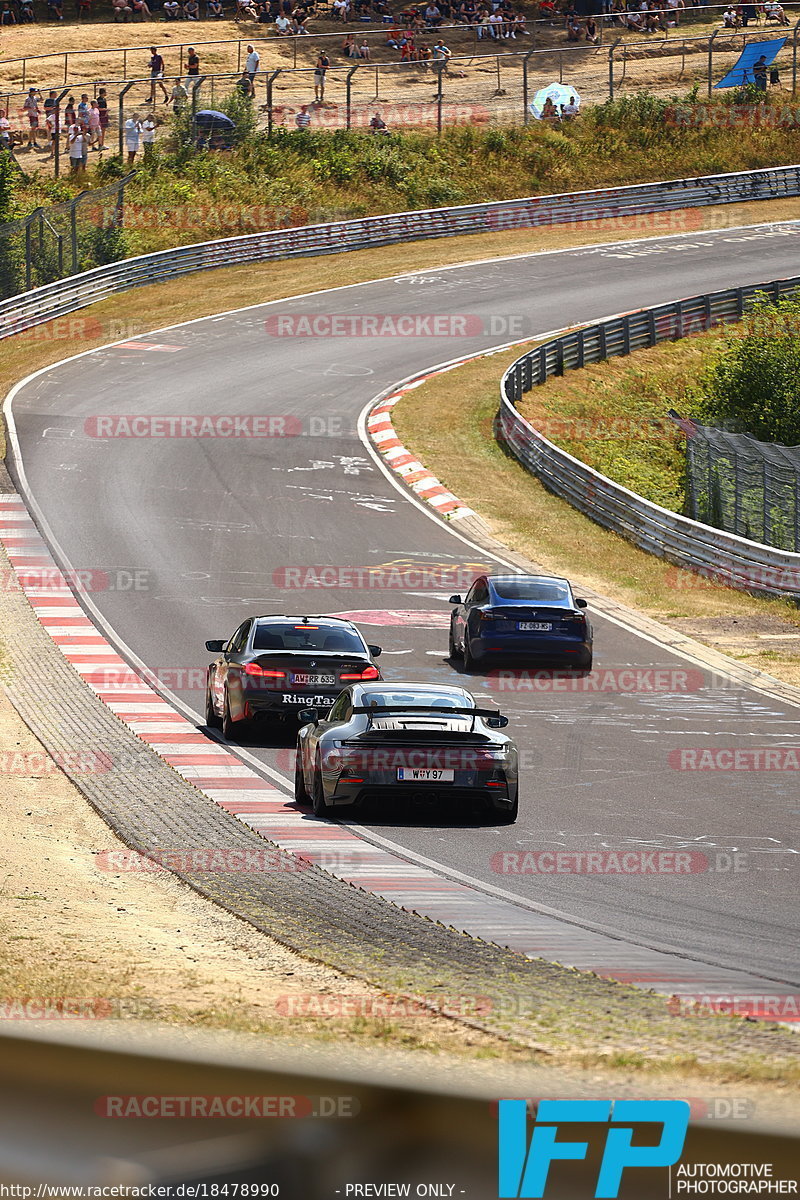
(559, 93)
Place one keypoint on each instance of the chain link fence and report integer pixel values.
(63, 239)
(744, 486)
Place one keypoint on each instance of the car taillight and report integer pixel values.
(369, 672)
(263, 673)
(487, 614)
(578, 618)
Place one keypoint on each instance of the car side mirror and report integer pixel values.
(308, 716)
(581, 603)
(498, 722)
(455, 599)
(215, 647)
(375, 651)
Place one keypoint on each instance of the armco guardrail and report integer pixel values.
(57, 299)
(749, 566)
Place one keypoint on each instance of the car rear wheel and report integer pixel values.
(300, 793)
(509, 815)
(318, 805)
(452, 652)
(231, 730)
(469, 661)
(212, 720)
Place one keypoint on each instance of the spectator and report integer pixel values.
(549, 111)
(303, 118)
(122, 10)
(730, 20)
(6, 139)
(53, 131)
(341, 10)
(760, 73)
(191, 10)
(570, 109)
(441, 52)
(377, 124)
(393, 39)
(156, 77)
(591, 31)
(102, 105)
(69, 115)
(323, 62)
(251, 65)
(133, 129)
(749, 13)
(245, 8)
(283, 25)
(179, 97)
(573, 30)
(51, 102)
(774, 12)
(31, 109)
(6, 16)
(243, 85)
(76, 138)
(299, 23)
(148, 137)
(673, 6)
(349, 48)
(433, 16)
(27, 14)
(363, 49)
(214, 8)
(57, 8)
(93, 126)
(83, 108)
(192, 63)
(171, 10)
(140, 7)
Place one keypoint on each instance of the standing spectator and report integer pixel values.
(94, 126)
(5, 131)
(192, 63)
(323, 62)
(69, 118)
(148, 136)
(50, 103)
(31, 108)
(53, 130)
(442, 52)
(252, 63)
(102, 105)
(303, 118)
(133, 129)
(156, 77)
(179, 97)
(76, 139)
(83, 108)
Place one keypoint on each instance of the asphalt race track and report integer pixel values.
(212, 523)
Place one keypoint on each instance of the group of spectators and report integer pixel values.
(83, 125)
(740, 15)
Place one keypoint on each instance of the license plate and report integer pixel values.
(539, 626)
(424, 775)
(303, 679)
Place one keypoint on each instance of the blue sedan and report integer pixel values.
(520, 616)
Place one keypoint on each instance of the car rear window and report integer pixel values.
(533, 591)
(440, 699)
(294, 635)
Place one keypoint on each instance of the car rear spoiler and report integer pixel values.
(380, 709)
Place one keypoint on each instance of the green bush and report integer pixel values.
(752, 384)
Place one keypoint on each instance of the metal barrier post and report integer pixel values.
(57, 144)
(195, 89)
(710, 59)
(28, 254)
(611, 68)
(66, 58)
(794, 57)
(73, 232)
(526, 114)
(439, 97)
(270, 80)
(348, 89)
(121, 113)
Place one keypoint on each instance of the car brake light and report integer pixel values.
(369, 672)
(255, 669)
(487, 615)
(306, 626)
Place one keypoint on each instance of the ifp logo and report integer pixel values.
(523, 1170)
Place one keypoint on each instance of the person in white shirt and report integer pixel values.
(570, 109)
(148, 136)
(5, 132)
(76, 138)
(251, 65)
(283, 25)
(133, 128)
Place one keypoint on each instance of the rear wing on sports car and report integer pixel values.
(491, 715)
